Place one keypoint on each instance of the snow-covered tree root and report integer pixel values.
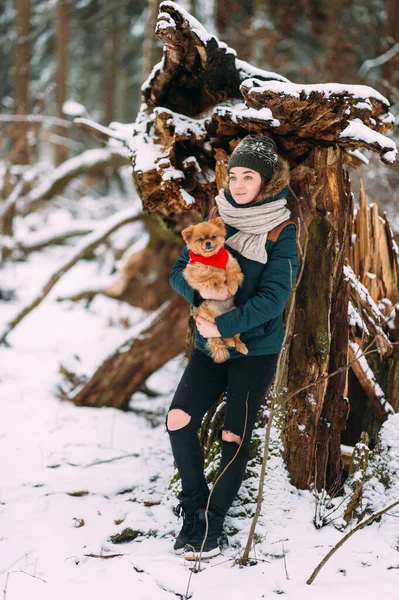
(337, 546)
(86, 246)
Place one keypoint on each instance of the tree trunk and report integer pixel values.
(149, 51)
(316, 416)
(110, 68)
(18, 132)
(390, 69)
(232, 19)
(61, 150)
(341, 43)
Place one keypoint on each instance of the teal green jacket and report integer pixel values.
(260, 301)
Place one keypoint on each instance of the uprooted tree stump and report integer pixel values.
(198, 103)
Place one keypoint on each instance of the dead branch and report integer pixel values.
(104, 134)
(90, 162)
(361, 525)
(123, 373)
(92, 555)
(84, 248)
(369, 384)
(15, 246)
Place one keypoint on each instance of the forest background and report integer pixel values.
(86, 60)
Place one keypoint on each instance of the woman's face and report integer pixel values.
(244, 184)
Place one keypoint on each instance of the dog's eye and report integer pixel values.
(200, 239)
(213, 237)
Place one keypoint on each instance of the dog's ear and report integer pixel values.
(219, 222)
(187, 233)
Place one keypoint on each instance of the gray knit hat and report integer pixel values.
(257, 152)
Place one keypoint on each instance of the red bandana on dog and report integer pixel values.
(216, 260)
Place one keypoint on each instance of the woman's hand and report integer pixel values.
(212, 295)
(206, 328)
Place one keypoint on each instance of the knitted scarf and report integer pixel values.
(254, 223)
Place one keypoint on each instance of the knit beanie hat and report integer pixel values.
(257, 152)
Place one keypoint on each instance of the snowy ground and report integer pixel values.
(73, 477)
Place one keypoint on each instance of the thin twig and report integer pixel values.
(25, 555)
(92, 555)
(5, 587)
(101, 462)
(285, 563)
(346, 537)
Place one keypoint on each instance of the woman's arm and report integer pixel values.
(179, 284)
(276, 283)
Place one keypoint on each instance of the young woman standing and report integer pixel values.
(262, 237)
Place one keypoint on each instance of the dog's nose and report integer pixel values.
(208, 244)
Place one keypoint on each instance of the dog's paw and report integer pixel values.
(230, 342)
(241, 347)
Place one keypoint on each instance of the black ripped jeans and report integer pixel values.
(201, 385)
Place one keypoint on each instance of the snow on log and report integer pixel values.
(368, 382)
(200, 99)
(352, 115)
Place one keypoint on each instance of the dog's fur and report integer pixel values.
(207, 239)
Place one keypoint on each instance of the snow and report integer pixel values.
(73, 477)
(326, 89)
(357, 154)
(88, 158)
(165, 21)
(362, 360)
(363, 293)
(359, 131)
(240, 111)
(73, 109)
(188, 198)
(247, 70)
(355, 130)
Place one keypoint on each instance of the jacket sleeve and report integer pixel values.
(178, 282)
(275, 285)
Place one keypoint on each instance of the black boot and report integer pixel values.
(210, 548)
(187, 508)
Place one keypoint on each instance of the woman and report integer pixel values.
(262, 237)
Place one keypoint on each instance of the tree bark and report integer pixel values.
(390, 69)
(110, 68)
(316, 417)
(149, 51)
(19, 152)
(61, 150)
(341, 43)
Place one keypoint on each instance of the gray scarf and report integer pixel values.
(254, 223)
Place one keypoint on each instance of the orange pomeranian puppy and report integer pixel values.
(212, 267)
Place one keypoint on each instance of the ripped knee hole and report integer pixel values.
(177, 419)
(228, 436)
